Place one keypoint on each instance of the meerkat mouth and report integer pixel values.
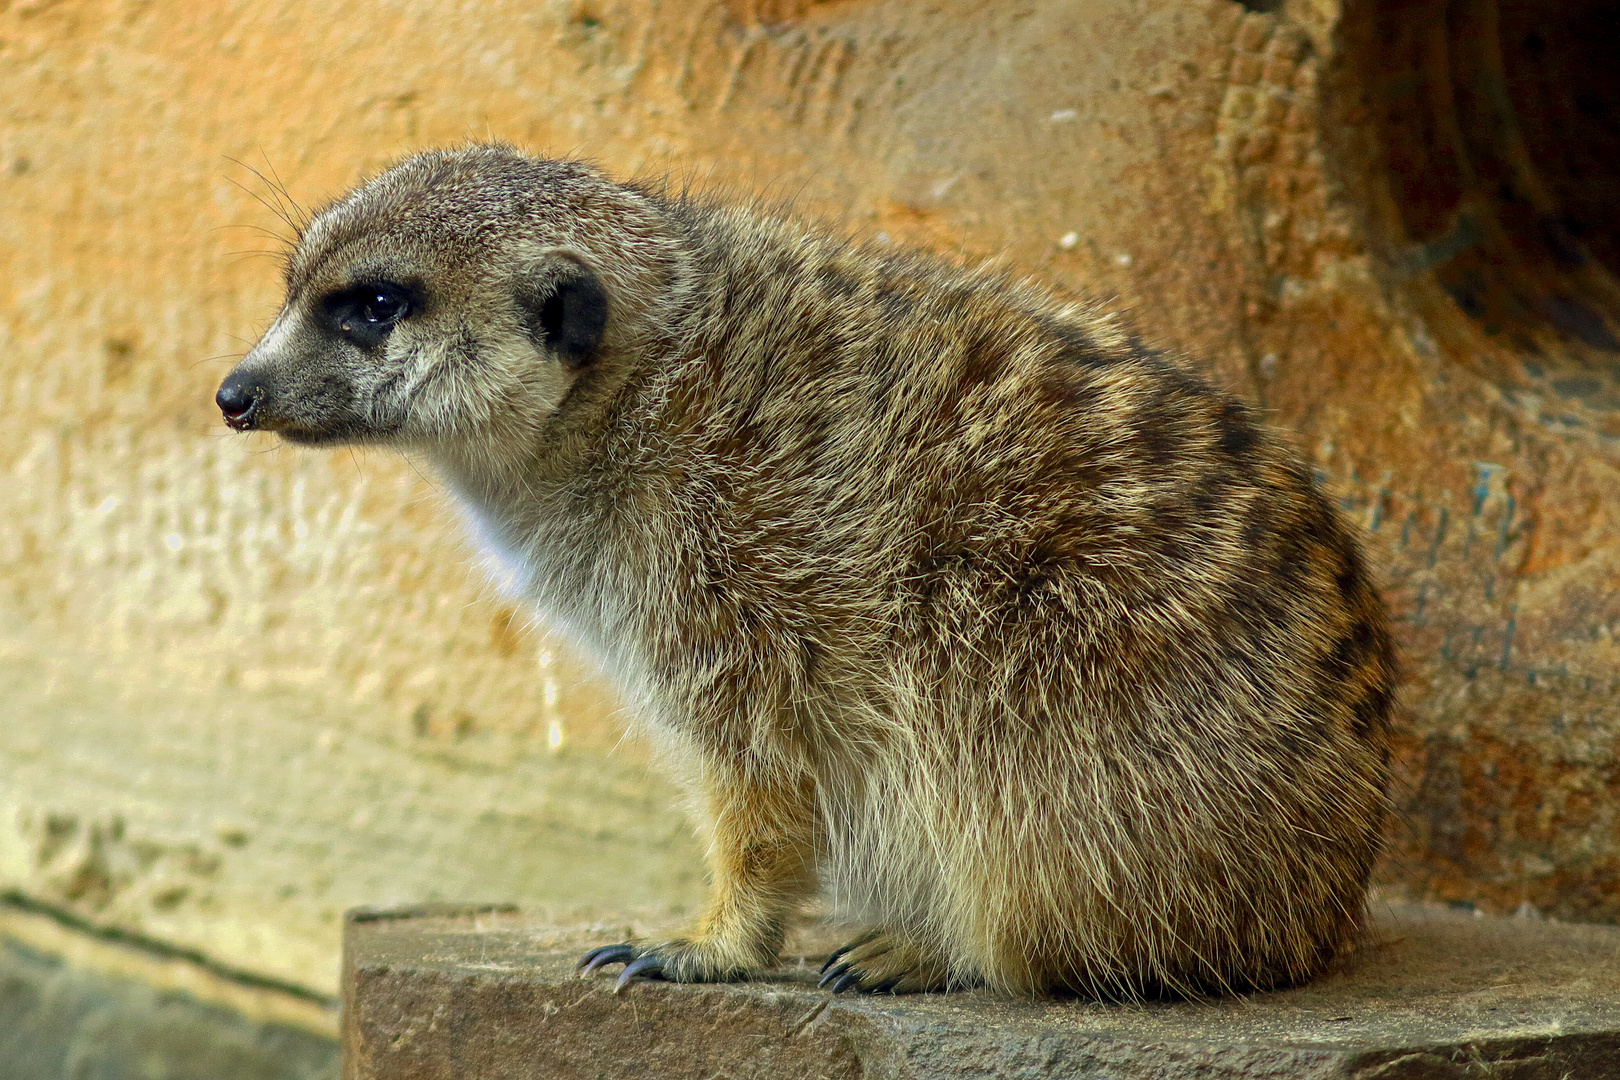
(239, 405)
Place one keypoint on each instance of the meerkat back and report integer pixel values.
(943, 595)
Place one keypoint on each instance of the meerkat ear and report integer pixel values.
(563, 306)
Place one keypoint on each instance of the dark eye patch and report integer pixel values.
(366, 313)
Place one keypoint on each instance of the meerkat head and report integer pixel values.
(460, 296)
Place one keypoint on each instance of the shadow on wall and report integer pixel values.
(1481, 144)
(1492, 132)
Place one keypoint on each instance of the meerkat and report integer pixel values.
(940, 594)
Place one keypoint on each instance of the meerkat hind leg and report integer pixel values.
(885, 962)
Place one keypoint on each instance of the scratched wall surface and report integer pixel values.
(247, 687)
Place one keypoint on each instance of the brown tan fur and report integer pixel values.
(940, 593)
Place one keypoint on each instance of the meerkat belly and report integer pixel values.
(881, 871)
(884, 862)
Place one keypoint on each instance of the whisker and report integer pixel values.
(261, 200)
(272, 234)
(211, 359)
(281, 187)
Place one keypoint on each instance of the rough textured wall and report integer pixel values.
(247, 687)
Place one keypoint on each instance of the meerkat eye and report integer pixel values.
(383, 305)
(366, 313)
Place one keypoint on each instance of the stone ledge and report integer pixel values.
(486, 994)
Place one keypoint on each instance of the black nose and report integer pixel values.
(237, 399)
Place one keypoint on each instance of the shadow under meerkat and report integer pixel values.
(940, 593)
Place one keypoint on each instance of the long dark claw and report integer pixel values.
(847, 981)
(840, 951)
(846, 947)
(606, 954)
(649, 966)
(830, 977)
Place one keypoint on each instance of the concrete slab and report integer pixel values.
(1431, 993)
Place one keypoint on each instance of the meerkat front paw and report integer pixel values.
(677, 961)
(883, 963)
